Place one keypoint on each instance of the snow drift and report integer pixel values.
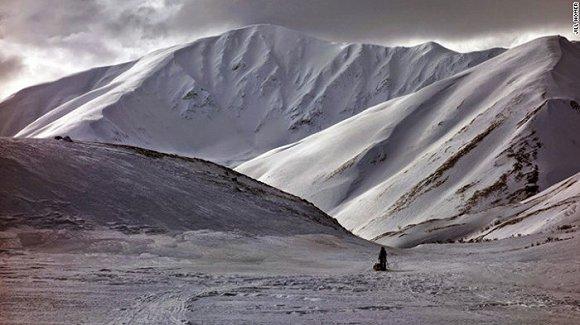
(485, 138)
(231, 97)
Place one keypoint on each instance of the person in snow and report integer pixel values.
(383, 259)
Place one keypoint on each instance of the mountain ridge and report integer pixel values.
(408, 160)
(268, 85)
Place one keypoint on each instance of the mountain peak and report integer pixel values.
(434, 46)
(445, 155)
(267, 84)
(269, 29)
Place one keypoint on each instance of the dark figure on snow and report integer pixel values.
(383, 259)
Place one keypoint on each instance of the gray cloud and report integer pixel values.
(9, 67)
(385, 22)
(62, 36)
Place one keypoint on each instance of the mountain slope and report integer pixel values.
(231, 97)
(86, 186)
(558, 207)
(490, 136)
(554, 210)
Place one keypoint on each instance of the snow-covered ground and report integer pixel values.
(230, 97)
(442, 157)
(96, 233)
(134, 279)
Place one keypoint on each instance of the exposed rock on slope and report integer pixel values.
(554, 210)
(484, 138)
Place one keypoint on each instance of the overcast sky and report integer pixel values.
(41, 40)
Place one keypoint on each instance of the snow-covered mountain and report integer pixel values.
(50, 184)
(556, 209)
(231, 97)
(455, 157)
(109, 234)
(454, 137)
(94, 232)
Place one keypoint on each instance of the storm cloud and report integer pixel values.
(43, 40)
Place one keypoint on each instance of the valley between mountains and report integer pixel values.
(251, 177)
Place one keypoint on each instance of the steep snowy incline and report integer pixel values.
(556, 209)
(29, 104)
(50, 184)
(231, 97)
(488, 137)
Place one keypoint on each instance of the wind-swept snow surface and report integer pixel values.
(152, 279)
(484, 138)
(231, 97)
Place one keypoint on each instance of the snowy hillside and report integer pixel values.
(107, 234)
(455, 148)
(484, 138)
(556, 209)
(98, 234)
(51, 184)
(231, 97)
